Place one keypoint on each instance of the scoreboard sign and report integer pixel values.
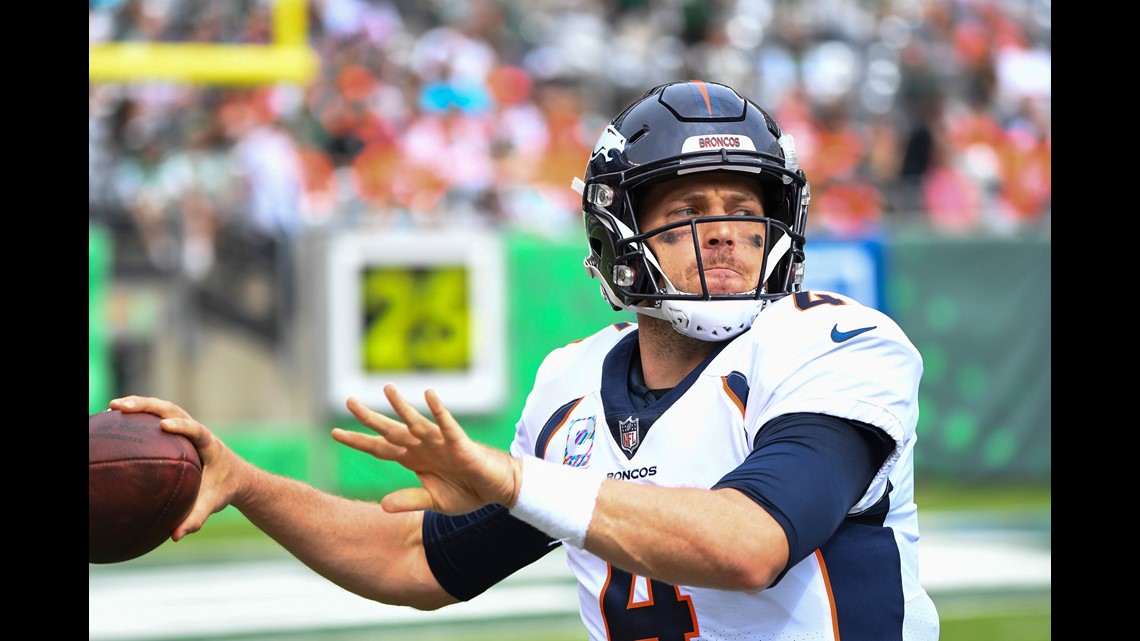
(419, 309)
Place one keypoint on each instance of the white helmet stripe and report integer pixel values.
(778, 250)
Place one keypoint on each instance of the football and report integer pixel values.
(142, 482)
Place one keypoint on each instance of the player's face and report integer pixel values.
(732, 251)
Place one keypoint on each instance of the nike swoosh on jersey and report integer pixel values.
(839, 336)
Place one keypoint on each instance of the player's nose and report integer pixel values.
(718, 232)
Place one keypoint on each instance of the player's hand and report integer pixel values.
(458, 475)
(221, 481)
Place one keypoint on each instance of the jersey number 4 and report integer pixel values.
(660, 612)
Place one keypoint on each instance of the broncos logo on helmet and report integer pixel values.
(610, 140)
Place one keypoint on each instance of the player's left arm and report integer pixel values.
(783, 502)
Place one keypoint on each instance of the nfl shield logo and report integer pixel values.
(630, 431)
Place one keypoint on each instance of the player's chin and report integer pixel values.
(718, 285)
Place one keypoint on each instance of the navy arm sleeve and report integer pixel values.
(470, 553)
(807, 470)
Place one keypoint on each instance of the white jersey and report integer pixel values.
(817, 352)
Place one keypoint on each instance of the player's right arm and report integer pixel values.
(355, 544)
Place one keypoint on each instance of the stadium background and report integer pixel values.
(230, 323)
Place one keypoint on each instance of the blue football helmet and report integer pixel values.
(676, 129)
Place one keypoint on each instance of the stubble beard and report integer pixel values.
(662, 340)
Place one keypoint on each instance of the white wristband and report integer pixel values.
(558, 499)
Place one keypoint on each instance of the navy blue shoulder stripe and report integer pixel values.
(552, 424)
(738, 386)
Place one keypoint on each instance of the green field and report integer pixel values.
(943, 496)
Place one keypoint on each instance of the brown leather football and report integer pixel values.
(142, 482)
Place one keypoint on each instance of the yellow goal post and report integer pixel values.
(287, 59)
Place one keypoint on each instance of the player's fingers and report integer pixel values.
(189, 525)
(418, 426)
(425, 431)
(400, 405)
(211, 499)
(190, 428)
(366, 415)
(156, 406)
(407, 500)
(393, 430)
(376, 446)
(449, 428)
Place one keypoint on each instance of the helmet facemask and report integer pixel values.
(701, 308)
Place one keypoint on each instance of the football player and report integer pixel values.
(737, 464)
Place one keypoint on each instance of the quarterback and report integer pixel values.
(736, 464)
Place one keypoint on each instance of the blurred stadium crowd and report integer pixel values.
(428, 112)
